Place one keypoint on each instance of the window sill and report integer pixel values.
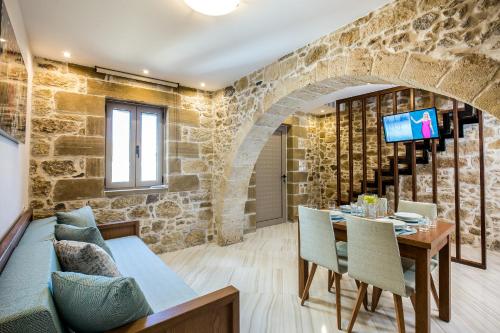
(129, 191)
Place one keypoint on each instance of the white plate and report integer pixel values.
(408, 216)
(397, 224)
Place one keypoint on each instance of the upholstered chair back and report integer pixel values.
(317, 239)
(423, 208)
(374, 254)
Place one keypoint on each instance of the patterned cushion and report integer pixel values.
(85, 258)
(87, 235)
(97, 303)
(83, 217)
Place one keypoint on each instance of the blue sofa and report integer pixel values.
(25, 289)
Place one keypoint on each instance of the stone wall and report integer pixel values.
(67, 155)
(445, 46)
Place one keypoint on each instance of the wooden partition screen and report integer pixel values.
(391, 165)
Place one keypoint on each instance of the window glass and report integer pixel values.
(149, 146)
(120, 161)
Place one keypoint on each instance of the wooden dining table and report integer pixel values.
(420, 247)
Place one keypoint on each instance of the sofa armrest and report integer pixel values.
(215, 312)
(119, 229)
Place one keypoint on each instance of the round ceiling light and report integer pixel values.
(213, 7)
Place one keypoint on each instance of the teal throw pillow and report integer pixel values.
(83, 217)
(90, 303)
(87, 235)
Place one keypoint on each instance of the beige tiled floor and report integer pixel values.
(264, 269)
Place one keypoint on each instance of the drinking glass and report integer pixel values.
(424, 225)
(381, 208)
(355, 209)
(332, 205)
(433, 223)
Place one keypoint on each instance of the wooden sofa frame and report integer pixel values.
(217, 312)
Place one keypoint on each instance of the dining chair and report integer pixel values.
(318, 245)
(428, 210)
(374, 259)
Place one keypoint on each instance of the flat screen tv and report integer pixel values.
(411, 126)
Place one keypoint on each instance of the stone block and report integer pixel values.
(140, 212)
(184, 149)
(250, 206)
(424, 70)
(53, 126)
(75, 189)
(359, 63)
(167, 209)
(184, 117)
(128, 92)
(194, 166)
(55, 79)
(298, 131)
(78, 145)
(108, 215)
(195, 237)
(40, 187)
(58, 168)
(489, 100)
(252, 192)
(183, 183)
(40, 148)
(94, 167)
(95, 126)
(476, 70)
(315, 54)
(297, 177)
(127, 201)
(81, 104)
(174, 165)
(388, 65)
(296, 154)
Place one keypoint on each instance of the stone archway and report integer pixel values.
(447, 47)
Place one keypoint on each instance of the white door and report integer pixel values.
(270, 186)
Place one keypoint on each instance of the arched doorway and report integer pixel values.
(387, 46)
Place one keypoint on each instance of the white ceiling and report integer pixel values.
(177, 44)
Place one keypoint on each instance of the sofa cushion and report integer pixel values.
(39, 231)
(161, 286)
(83, 217)
(90, 303)
(27, 304)
(87, 235)
(85, 258)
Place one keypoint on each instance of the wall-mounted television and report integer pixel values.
(411, 126)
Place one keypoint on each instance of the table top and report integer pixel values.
(421, 239)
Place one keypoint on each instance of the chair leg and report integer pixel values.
(375, 297)
(400, 317)
(359, 300)
(434, 292)
(365, 300)
(308, 283)
(337, 300)
(331, 277)
(413, 301)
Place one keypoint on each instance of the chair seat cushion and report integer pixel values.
(159, 284)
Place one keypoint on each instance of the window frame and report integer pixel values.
(135, 149)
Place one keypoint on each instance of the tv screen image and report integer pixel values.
(410, 126)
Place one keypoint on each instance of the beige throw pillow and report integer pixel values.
(85, 258)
